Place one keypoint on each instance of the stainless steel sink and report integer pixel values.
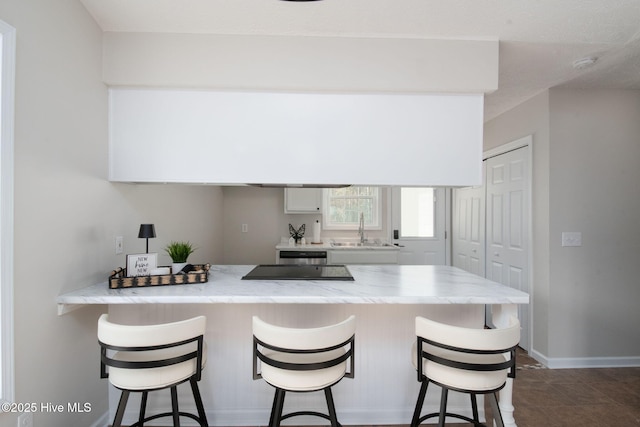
(347, 244)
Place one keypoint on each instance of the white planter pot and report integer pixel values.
(176, 267)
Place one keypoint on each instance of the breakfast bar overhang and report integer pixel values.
(385, 300)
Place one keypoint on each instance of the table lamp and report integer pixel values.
(147, 231)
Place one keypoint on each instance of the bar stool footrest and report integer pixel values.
(448, 414)
(309, 413)
(169, 414)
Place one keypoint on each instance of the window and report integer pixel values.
(417, 208)
(7, 70)
(342, 208)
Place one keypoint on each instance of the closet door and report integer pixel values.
(468, 229)
(507, 225)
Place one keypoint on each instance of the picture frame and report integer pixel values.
(141, 264)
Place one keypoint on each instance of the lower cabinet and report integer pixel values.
(352, 256)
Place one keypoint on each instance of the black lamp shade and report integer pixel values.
(147, 231)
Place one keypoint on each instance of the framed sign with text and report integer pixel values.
(141, 264)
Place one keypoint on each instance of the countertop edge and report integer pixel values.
(374, 284)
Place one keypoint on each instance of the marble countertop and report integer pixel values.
(373, 284)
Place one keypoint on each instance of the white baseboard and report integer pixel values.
(585, 362)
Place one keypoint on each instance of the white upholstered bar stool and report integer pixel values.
(153, 357)
(473, 361)
(303, 360)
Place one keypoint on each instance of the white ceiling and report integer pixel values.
(539, 39)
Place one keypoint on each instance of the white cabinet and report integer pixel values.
(303, 200)
(354, 256)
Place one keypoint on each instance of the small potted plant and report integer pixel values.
(179, 252)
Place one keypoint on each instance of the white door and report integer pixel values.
(468, 251)
(507, 225)
(418, 220)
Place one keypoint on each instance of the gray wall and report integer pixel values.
(67, 214)
(261, 209)
(586, 155)
(594, 175)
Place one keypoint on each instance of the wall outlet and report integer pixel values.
(25, 420)
(119, 244)
(245, 228)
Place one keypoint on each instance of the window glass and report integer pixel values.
(417, 207)
(342, 208)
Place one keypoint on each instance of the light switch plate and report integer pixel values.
(119, 245)
(571, 238)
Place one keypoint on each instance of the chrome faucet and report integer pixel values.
(361, 228)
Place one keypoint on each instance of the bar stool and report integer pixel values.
(153, 357)
(303, 360)
(466, 360)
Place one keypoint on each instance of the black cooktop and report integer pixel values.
(298, 272)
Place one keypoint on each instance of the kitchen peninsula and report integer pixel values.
(384, 298)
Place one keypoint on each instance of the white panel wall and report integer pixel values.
(242, 137)
(385, 387)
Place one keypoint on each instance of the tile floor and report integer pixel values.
(599, 397)
(608, 397)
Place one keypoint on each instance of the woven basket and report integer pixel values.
(119, 279)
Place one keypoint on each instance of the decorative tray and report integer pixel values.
(118, 278)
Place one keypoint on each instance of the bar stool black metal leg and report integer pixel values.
(143, 408)
(415, 421)
(174, 407)
(443, 407)
(198, 399)
(124, 396)
(474, 409)
(331, 406)
(274, 405)
(279, 406)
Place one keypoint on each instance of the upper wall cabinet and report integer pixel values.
(303, 200)
(228, 138)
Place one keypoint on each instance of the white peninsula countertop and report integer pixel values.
(383, 284)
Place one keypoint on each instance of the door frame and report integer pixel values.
(7, 129)
(525, 142)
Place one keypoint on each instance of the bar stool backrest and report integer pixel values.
(312, 340)
(147, 338)
(466, 340)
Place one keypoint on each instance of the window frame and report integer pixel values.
(377, 212)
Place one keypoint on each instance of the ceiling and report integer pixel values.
(539, 39)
